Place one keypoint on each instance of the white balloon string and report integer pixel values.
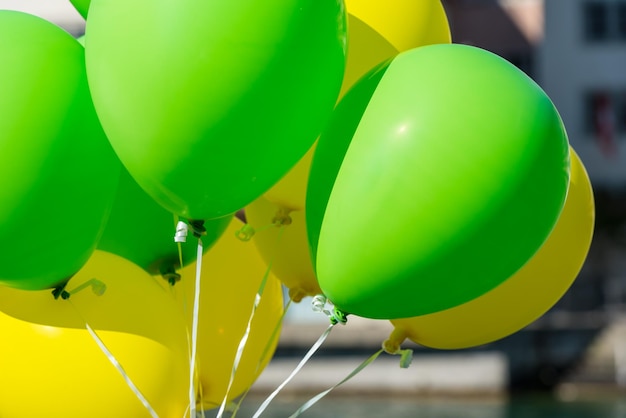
(244, 339)
(194, 333)
(304, 360)
(238, 355)
(320, 395)
(117, 365)
(179, 238)
(266, 351)
(274, 335)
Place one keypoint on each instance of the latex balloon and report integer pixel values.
(208, 111)
(290, 191)
(324, 168)
(140, 230)
(81, 6)
(405, 24)
(58, 170)
(285, 248)
(77, 379)
(379, 31)
(231, 274)
(525, 296)
(424, 23)
(45, 340)
(366, 48)
(440, 175)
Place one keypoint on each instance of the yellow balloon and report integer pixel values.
(377, 31)
(366, 49)
(286, 248)
(524, 297)
(232, 271)
(406, 24)
(290, 191)
(52, 367)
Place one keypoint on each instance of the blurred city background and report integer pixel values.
(576, 353)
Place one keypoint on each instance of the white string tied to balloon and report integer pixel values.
(406, 355)
(99, 288)
(182, 231)
(245, 234)
(335, 316)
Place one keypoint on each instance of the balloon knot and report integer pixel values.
(282, 217)
(336, 316)
(297, 294)
(197, 228)
(339, 317)
(393, 348)
(60, 292)
(171, 276)
(245, 233)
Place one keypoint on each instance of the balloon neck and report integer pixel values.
(339, 317)
(297, 294)
(392, 346)
(60, 292)
(170, 275)
(197, 228)
(282, 217)
(395, 340)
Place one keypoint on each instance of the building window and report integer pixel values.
(620, 112)
(605, 117)
(596, 15)
(598, 111)
(604, 20)
(621, 20)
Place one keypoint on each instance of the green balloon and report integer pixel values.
(324, 169)
(436, 186)
(141, 231)
(57, 169)
(209, 103)
(81, 6)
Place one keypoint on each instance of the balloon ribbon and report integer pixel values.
(194, 333)
(181, 236)
(266, 351)
(244, 339)
(295, 371)
(406, 356)
(99, 288)
(320, 395)
(336, 317)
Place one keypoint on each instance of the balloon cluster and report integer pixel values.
(442, 195)
(402, 176)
